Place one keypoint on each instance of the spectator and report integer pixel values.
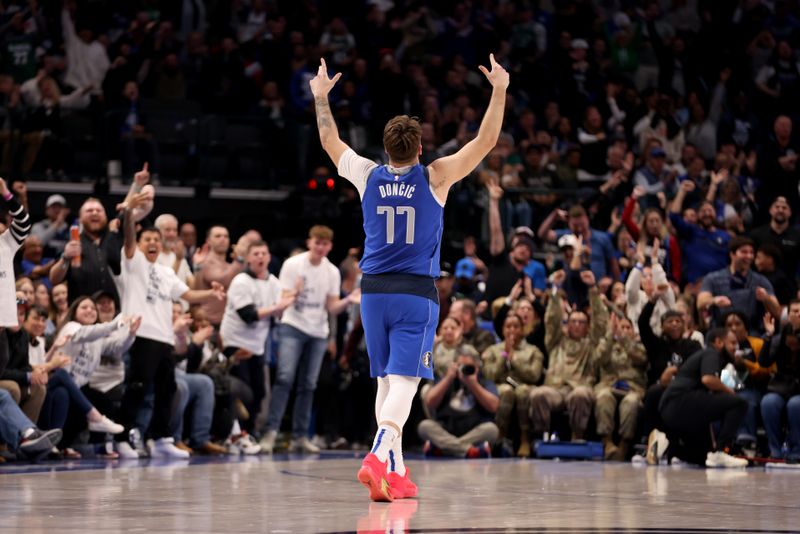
(640, 285)
(515, 367)
(59, 306)
(777, 167)
(137, 144)
(254, 298)
(704, 245)
(696, 398)
(446, 345)
(27, 385)
(194, 390)
(665, 354)
(10, 240)
(769, 263)
(34, 265)
(304, 335)
(753, 377)
(53, 232)
(655, 178)
(782, 233)
(463, 404)
(188, 235)
(603, 261)
(783, 390)
(622, 379)
(467, 281)
(466, 312)
(174, 253)
(150, 289)
(99, 252)
(685, 305)
(211, 266)
(70, 368)
(571, 367)
(739, 288)
(87, 61)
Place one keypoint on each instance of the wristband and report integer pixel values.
(638, 266)
(8, 195)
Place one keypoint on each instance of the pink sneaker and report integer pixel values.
(371, 475)
(402, 487)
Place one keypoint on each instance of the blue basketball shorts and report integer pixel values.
(399, 331)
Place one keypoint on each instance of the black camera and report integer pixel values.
(468, 369)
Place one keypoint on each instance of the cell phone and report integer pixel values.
(511, 382)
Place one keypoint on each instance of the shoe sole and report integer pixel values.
(379, 489)
(43, 443)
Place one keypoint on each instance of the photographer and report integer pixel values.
(515, 367)
(463, 405)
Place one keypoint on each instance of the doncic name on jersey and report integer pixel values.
(397, 189)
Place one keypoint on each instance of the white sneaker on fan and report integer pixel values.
(106, 426)
(723, 459)
(165, 448)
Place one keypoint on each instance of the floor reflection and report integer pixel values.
(390, 518)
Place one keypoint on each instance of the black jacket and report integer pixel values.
(18, 364)
(661, 349)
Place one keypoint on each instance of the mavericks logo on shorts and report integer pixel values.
(426, 360)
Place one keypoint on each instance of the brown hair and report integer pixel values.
(402, 136)
(320, 231)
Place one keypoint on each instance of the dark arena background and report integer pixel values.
(618, 347)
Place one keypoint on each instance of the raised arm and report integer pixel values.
(496, 240)
(321, 85)
(444, 172)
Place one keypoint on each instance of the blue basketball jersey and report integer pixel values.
(403, 223)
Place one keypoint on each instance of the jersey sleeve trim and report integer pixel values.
(355, 169)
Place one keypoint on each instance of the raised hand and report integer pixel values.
(142, 177)
(134, 324)
(320, 84)
(769, 324)
(498, 76)
(588, 279)
(200, 255)
(218, 290)
(3, 188)
(495, 191)
(718, 177)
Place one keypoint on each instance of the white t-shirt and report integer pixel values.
(167, 259)
(36, 354)
(149, 291)
(309, 313)
(88, 343)
(8, 292)
(243, 291)
(355, 169)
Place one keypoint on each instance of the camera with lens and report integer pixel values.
(467, 369)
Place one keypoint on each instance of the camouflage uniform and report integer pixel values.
(571, 372)
(524, 367)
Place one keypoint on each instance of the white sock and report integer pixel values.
(236, 429)
(28, 432)
(396, 463)
(384, 439)
(380, 397)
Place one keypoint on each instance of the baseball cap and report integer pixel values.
(579, 44)
(523, 230)
(446, 270)
(465, 268)
(658, 152)
(55, 199)
(567, 240)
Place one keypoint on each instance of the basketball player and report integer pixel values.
(403, 203)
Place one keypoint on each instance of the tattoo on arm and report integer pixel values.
(324, 116)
